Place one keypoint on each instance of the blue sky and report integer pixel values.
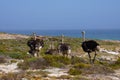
(59, 14)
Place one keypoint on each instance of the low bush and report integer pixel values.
(15, 55)
(2, 59)
(83, 68)
(79, 68)
(18, 55)
(80, 78)
(82, 65)
(65, 77)
(75, 60)
(57, 61)
(33, 63)
(23, 65)
(74, 71)
(12, 76)
(45, 61)
(115, 65)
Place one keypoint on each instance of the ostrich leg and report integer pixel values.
(38, 54)
(94, 56)
(89, 57)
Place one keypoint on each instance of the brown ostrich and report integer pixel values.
(64, 48)
(51, 50)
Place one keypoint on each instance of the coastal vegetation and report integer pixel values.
(78, 65)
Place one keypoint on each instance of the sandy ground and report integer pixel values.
(12, 36)
(57, 72)
(9, 67)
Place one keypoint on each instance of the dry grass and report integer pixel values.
(110, 45)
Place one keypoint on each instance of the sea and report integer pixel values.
(112, 34)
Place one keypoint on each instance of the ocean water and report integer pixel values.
(91, 34)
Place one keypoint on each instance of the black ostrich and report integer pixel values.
(89, 47)
(35, 46)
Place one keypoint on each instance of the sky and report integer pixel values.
(59, 14)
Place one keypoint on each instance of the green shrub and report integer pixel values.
(33, 63)
(40, 72)
(46, 61)
(83, 68)
(79, 68)
(76, 60)
(82, 65)
(12, 76)
(74, 71)
(15, 55)
(26, 64)
(118, 61)
(79, 77)
(64, 77)
(56, 60)
(23, 65)
(115, 65)
(2, 59)
(18, 55)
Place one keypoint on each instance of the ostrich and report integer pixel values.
(51, 49)
(35, 45)
(64, 48)
(90, 46)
